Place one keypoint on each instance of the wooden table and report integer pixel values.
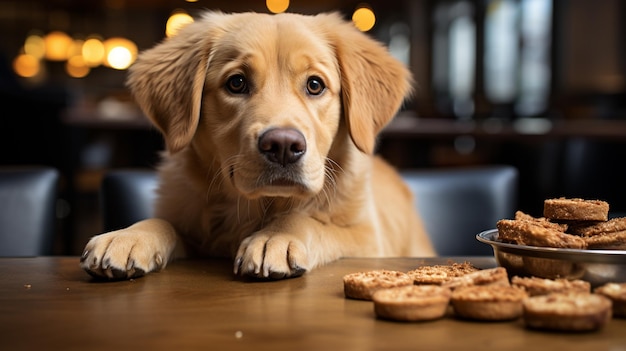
(48, 303)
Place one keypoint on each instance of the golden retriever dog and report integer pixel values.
(270, 124)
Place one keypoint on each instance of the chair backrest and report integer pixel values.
(127, 196)
(455, 204)
(458, 203)
(27, 210)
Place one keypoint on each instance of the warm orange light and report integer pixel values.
(277, 6)
(26, 65)
(57, 43)
(176, 22)
(93, 52)
(35, 45)
(76, 67)
(364, 19)
(120, 53)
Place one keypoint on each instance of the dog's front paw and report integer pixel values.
(127, 253)
(276, 256)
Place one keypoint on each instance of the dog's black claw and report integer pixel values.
(92, 274)
(298, 271)
(277, 275)
(118, 274)
(138, 273)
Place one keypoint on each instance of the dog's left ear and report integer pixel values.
(374, 84)
(167, 80)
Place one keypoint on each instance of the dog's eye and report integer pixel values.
(315, 85)
(237, 84)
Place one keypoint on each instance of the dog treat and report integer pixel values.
(490, 303)
(535, 286)
(617, 293)
(542, 221)
(363, 285)
(411, 303)
(575, 209)
(612, 240)
(439, 274)
(598, 228)
(527, 233)
(492, 276)
(567, 311)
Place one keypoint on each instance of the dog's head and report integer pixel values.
(265, 97)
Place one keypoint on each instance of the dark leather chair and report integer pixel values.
(458, 203)
(455, 204)
(127, 196)
(27, 210)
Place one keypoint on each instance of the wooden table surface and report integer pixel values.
(48, 303)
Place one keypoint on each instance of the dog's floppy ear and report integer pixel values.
(373, 83)
(167, 80)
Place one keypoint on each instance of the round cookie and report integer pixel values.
(617, 293)
(567, 311)
(535, 286)
(411, 303)
(362, 285)
(490, 276)
(488, 303)
(575, 209)
(440, 274)
(527, 233)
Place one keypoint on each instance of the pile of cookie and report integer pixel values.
(571, 223)
(464, 291)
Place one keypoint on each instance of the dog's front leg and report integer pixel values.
(290, 246)
(144, 247)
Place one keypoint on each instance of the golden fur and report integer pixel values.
(223, 194)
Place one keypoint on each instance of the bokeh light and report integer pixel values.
(26, 65)
(35, 46)
(364, 19)
(76, 67)
(120, 53)
(277, 6)
(57, 44)
(176, 22)
(93, 52)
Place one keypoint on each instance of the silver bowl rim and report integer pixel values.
(574, 255)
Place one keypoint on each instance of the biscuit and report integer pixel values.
(575, 209)
(491, 276)
(489, 303)
(363, 285)
(439, 274)
(567, 311)
(586, 229)
(411, 303)
(541, 221)
(527, 233)
(612, 240)
(535, 286)
(617, 293)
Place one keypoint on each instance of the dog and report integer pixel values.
(270, 125)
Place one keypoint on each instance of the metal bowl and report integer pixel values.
(595, 266)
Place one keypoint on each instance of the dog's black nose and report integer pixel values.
(282, 145)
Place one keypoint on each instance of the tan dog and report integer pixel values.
(270, 123)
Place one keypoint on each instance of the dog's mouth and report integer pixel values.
(284, 182)
(271, 183)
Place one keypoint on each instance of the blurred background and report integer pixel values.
(538, 84)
